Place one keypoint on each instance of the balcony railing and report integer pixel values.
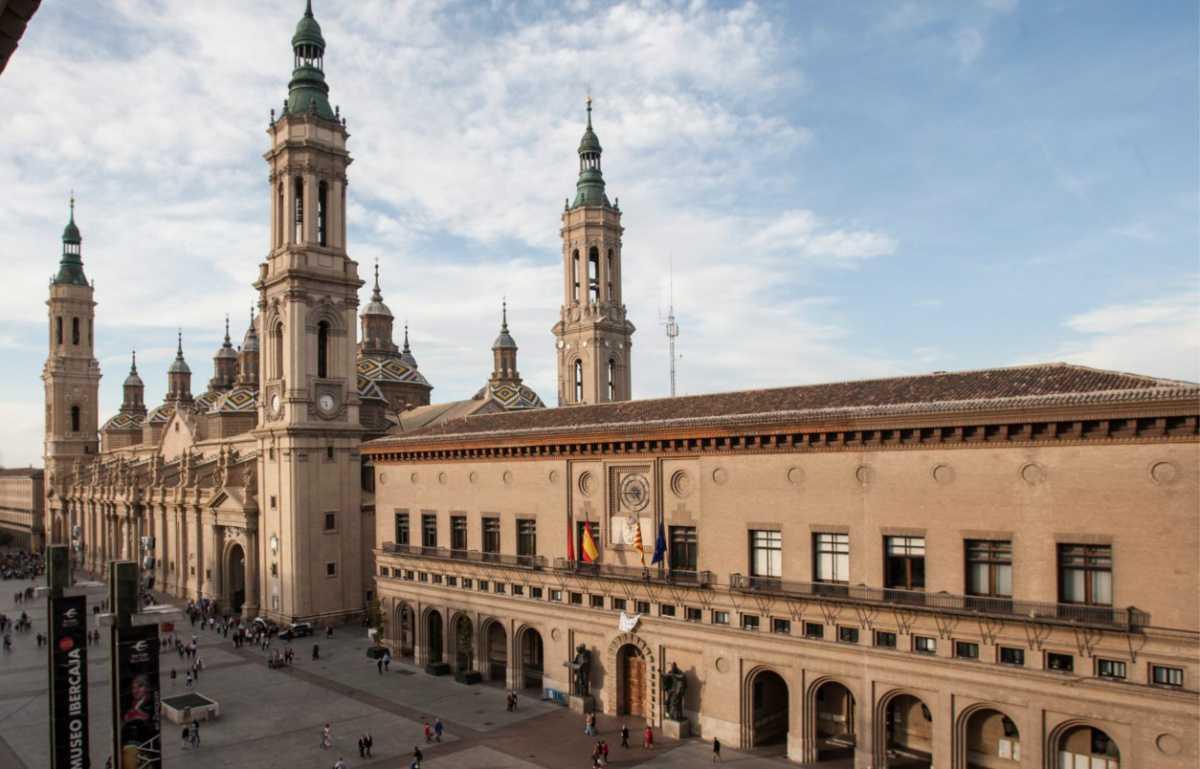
(651, 574)
(468, 556)
(1059, 613)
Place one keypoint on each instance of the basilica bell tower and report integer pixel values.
(309, 537)
(593, 334)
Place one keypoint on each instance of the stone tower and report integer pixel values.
(593, 334)
(309, 536)
(72, 379)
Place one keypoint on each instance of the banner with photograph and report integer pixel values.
(68, 672)
(139, 728)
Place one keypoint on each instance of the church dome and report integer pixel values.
(133, 380)
(123, 422)
(179, 366)
(308, 31)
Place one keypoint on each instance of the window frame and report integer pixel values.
(683, 548)
(1000, 650)
(994, 555)
(768, 542)
(884, 639)
(1170, 670)
(401, 532)
(490, 539)
(829, 543)
(924, 644)
(1113, 666)
(527, 537)
(429, 530)
(1091, 566)
(458, 532)
(908, 557)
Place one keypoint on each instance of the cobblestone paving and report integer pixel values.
(272, 719)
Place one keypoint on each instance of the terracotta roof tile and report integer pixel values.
(1049, 384)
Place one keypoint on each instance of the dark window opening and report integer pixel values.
(965, 650)
(59, 329)
(989, 567)
(1166, 676)
(491, 535)
(526, 538)
(277, 364)
(814, 630)
(885, 639)
(1114, 669)
(1063, 663)
(298, 213)
(74, 419)
(1085, 574)
(781, 626)
(74, 330)
(847, 635)
(575, 276)
(401, 528)
(330, 521)
(579, 381)
(593, 275)
(608, 276)
(323, 349)
(684, 548)
(612, 380)
(924, 644)
(429, 530)
(322, 212)
(458, 532)
(905, 562)
(1012, 656)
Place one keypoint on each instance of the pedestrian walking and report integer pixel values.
(340, 763)
(186, 735)
(187, 681)
(362, 748)
(387, 661)
(438, 728)
(716, 751)
(195, 733)
(379, 665)
(428, 733)
(604, 751)
(648, 738)
(417, 756)
(326, 737)
(589, 724)
(625, 735)
(369, 741)
(316, 651)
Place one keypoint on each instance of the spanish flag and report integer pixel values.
(590, 553)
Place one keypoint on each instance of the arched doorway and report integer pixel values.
(433, 636)
(909, 733)
(404, 630)
(631, 682)
(531, 659)
(1086, 746)
(464, 643)
(768, 709)
(992, 740)
(833, 707)
(495, 652)
(235, 578)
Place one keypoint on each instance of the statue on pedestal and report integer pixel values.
(674, 687)
(581, 668)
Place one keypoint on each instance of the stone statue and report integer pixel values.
(582, 667)
(674, 687)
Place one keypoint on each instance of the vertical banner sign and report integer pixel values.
(138, 695)
(68, 670)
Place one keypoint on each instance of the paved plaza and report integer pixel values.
(273, 718)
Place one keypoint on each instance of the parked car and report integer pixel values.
(297, 630)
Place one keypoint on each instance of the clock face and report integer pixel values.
(275, 403)
(326, 402)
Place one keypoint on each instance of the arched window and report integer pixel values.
(322, 212)
(74, 419)
(594, 275)
(608, 276)
(280, 207)
(575, 276)
(59, 328)
(612, 380)
(74, 330)
(277, 363)
(579, 381)
(298, 214)
(323, 349)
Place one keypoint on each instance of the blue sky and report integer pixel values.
(846, 190)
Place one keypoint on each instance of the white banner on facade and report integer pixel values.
(627, 623)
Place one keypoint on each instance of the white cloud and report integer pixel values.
(967, 45)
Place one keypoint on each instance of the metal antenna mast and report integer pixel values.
(671, 326)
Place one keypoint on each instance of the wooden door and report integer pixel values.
(633, 693)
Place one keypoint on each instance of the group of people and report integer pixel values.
(19, 564)
(21, 624)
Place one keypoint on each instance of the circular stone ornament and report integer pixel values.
(720, 476)
(1033, 474)
(944, 474)
(635, 492)
(414, 477)
(795, 476)
(863, 474)
(383, 479)
(1164, 473)
(587, 484)
(681, 484)
(473, 477)
(552, 476)
(1168, 744)
(722, 665)
(442, 478)
(507, 477)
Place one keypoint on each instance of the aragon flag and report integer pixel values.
(590, 553)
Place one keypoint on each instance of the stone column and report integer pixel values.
(512, 664)
(420, 658)
(250, 607)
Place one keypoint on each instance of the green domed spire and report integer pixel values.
(590, 187)
(308, 92)
(70, 266)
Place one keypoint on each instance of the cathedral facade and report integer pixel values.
(252, 492)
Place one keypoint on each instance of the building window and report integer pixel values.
(329, 452)
(323, 349)
(451, 581)
(498, 587)
(273, 502)
(579, 381)
(74, 330)
(1063, 663)
(1085, 574)
(924, 644)
(612, 380)
(75, 419)
(322, 212)
(619, 604)
(766, 553)
(847, 635)
(684, 549)
(1166, 676)
(885, 639)
(831, 562)
(437, 579)
(666, 610)
(593, 275)
(330, 521)
(331, 569)
(596, 601)
(422, 576)
(58, 326)
(491, 535)
(298, 212)
(483, 586)
(608, 275)
(905, 563)
(279, 209)
(781, 626)
(989, 567)
(693, 614)
(720, 617)
(814, 631)
(556, 596)
(467, 583)
(277, 364)
(429, 530)
(1010, 655)
(527, 538)
(518, 590)
(536, 593)
(965, 650)
(750, 622)
(458, 532)
(642, 607)
(575, 277)
(576, 599)
(410, 575)
(401, 528)
(1114, 669)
